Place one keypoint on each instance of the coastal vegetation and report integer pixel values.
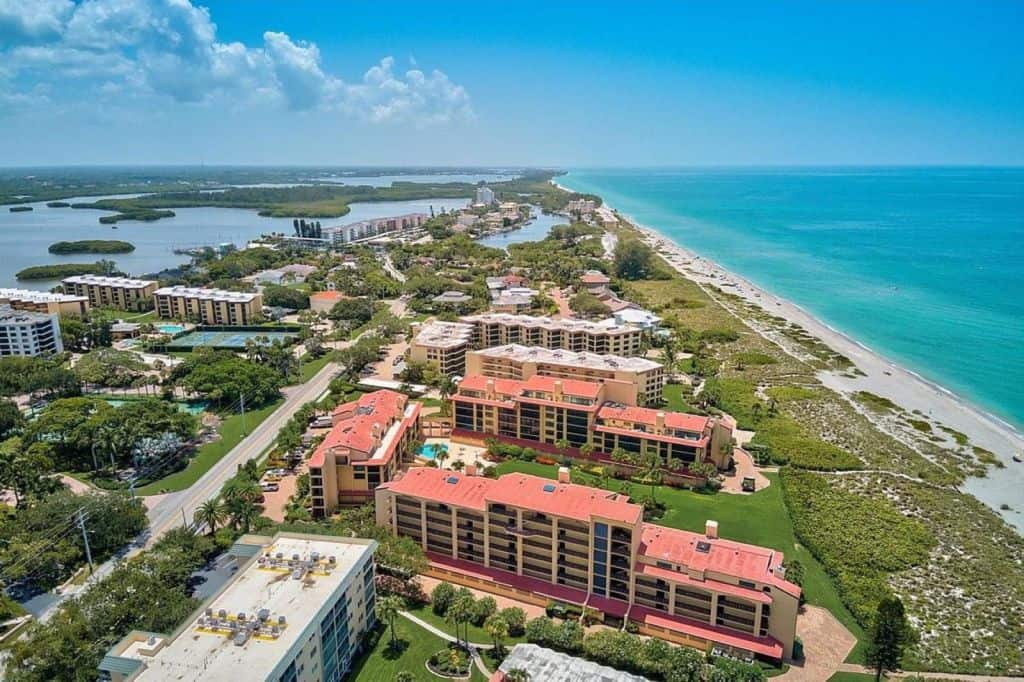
(20, 209)
(855, 463)
(61, 270)
(327, 200)
(92, 246)
(57, 204)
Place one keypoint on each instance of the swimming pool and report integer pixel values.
(192, 408)
(170, 328)
(430, 450)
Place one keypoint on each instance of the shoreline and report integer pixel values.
(907, 388)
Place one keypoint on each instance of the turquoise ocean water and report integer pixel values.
(924, 265)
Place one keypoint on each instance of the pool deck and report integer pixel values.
(458, 452)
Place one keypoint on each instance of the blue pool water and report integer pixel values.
(190, 407)
(170, 328)
(430, 450)
(925, 265)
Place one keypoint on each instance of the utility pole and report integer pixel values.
(85, 538)
(241, 398)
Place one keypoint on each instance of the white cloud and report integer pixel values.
(169, 49)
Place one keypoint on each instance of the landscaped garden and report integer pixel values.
(382, 663)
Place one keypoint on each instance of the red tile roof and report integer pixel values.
(766, 646)
(478, 382)
(439, 485)
(648, 416)
(358, 423)
(563, 499)
(576, 387)
(328, 296)
(517, 490)
(738, 559)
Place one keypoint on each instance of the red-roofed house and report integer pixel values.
(363, 449)
(538, 539)
(324, 301)
(545, 409)
(595, 282)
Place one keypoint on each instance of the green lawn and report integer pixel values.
(476, 635)
(674, 399)
(308, 369)
(851, 677)
(380, 664)
(210, 454)
(760, 519)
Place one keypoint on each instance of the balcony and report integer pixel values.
(568, 551)
(619, 535)
(513, 529)
(621, 549)
(694, 612)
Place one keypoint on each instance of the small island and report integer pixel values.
(92, 246)
(62, 270)
(20, 209)
(57, 204)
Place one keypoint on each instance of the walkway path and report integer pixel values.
(474, 648)
(853, 668)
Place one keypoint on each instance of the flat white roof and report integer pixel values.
(38, 296)
(198, 652)
(124, 282)
(510, 320)
(443, 334)
(568, 358)
(206, 294)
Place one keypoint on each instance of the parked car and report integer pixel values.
(269, 487)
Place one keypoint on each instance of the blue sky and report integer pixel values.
(567, 84)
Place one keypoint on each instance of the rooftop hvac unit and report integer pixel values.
(241, 616)
(281, 620)
(209, 612)
(295, 557)
(315, 556)
(279, 556)
(263, 614)
(222, 613)
(297, 574)
(241, 638)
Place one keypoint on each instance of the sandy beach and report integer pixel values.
(880, 376)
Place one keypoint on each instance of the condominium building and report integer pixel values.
(24, 332)
(442, 344)
(374, 227)
(296, 610)
(627, 380)
(499, 329)
(537, 540)
(364, 448)
(44, 302)
(484, 196)
(208, 306)
(547, 410)
(114, 292)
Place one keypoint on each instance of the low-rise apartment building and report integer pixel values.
(537, 540)
(115, 292)
(627, 380)
(208, 306)
(364, 448)
(544, 409)
(442, 344)
(44, 302)
(297, 610)
(603, 338)
(28, 333)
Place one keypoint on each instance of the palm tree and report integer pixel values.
(650, 463)
(388, 609)
(242, 513)
(441, 456)
(563, 446)
(405, 676)
(586, 450)
(670, 356)
(517, 675)
(210, 514)
(497, 628)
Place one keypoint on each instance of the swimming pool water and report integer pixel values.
(430, 450)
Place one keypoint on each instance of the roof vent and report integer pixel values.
(711, 529)
(549, 487)
(452, 480)
(703, 547)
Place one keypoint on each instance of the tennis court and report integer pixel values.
(232, 339)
